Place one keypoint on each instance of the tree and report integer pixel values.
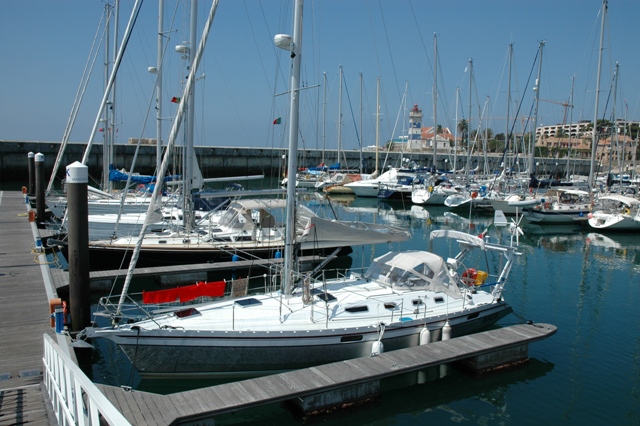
(463, 126)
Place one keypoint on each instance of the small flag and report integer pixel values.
(277, 120)
(175, 100)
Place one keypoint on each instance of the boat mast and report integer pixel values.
(508, 135)
(290, 233)
(377, 123)
(615, 126)
(532, 149)
(159, 86)
(324, 117)
(106, 119)
(112, 77)
(361, 164)
(340, 122)
(570, 121)
(468, 166)
(435, 102)
(175, 128)
(594, 139)
(188, 157)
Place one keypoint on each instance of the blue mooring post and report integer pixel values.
(78, 244)
(39, 177)
(59, 317)
(32, 174)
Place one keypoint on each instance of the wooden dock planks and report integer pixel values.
(216, 400)
(24, 316)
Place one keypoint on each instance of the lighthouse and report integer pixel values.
(414, 142)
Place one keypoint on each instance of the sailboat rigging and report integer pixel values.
(404, 299)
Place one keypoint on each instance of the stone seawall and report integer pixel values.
(221, 161)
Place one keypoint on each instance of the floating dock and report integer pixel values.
(142, 408)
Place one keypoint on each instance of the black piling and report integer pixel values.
(78, 245)
(39, 178)
(32, 174)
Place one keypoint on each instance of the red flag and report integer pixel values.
(175, 100)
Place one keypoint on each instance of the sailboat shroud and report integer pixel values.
(400, 301)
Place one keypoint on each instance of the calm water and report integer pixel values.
(588, 373)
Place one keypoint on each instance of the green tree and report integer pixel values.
(463, 126)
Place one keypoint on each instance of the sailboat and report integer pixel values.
(404, 299)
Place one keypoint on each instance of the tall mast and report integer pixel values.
(324, 117)
(594, 139)
(159, 85)
(112, 76)
(188, 156)
(455, 132)
(508, 135)
(570, 121)
(361, 168)
(340, 120)
(377, 122)
(435, 101)
(290, 234)
(615, 126)
(175, 128)
(468, 166)
(106, 127)
(532, 149)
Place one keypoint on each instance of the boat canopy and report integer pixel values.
(413, 270)
(622, 199)
(460, 236)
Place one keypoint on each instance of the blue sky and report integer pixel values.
(46, 45)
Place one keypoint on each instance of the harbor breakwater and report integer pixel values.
(237, 161)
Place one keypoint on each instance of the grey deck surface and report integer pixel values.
(142, 408)
(24, 317)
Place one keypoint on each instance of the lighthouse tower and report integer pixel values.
(414, 142)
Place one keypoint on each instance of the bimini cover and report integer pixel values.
(413, 270)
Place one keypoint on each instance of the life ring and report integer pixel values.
(430, 189)
(474, 195)
(626, 211)
(469, 276)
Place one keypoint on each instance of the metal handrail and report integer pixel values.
(76, 400)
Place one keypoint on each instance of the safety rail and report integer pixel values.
(75, 399)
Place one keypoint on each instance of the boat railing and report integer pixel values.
(75, 399)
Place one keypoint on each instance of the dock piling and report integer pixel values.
(32, 173)
(78, 243)
(39, 178)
